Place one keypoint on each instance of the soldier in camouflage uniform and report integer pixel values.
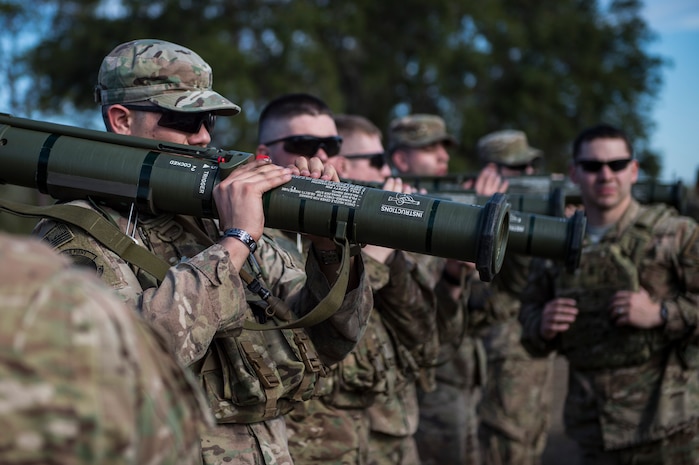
(372, 391)
(514, 411)
(626, 320)
(83, 380)
(156, 89)
(447, 431)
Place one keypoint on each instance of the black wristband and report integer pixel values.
(243, 237)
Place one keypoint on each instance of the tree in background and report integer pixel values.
(548, 68)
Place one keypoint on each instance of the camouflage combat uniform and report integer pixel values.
(448, 426)
(633, 394)
(83, 380)
(407, 306)
(368, 410)
(514, 411)
(251, 378)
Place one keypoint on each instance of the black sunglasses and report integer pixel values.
(308, 146)
(376, 160)
(594, 166)
(180, 120)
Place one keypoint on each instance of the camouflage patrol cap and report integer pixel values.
(418, 130)
(507, 147)
(165, 74)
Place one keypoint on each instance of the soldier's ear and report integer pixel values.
(120, 119)
(399, 159)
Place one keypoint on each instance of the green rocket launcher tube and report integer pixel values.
(547, 235)
(544, 194)
(70, 163)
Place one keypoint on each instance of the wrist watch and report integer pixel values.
(243, 237)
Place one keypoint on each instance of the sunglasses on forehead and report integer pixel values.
(376, 160)
(594, 166)
(180, 120)
(308, 146)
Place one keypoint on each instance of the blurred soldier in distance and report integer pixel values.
(514, 411)
(447, 431)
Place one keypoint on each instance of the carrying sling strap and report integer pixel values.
(105, 232)
(325, 308)
(115, 240)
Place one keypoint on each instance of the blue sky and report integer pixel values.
(676, 112)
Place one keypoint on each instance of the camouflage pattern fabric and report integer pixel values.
(508, 147)
(418, 130)
(83, 380)
(176, 78)
(515, 408)
(394, 421)
(373, 387)
(646, 403)
(250, 377)
(448, 424)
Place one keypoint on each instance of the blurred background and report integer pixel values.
(549, 68)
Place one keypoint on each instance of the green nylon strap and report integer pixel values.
(99, 228)
(326, 307)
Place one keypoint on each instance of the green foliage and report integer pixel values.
(548, 68)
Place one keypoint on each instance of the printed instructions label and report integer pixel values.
(337, 193)
(403, 205)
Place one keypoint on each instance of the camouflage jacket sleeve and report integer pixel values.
(405, 300)
(335, 337)
(498, 301)
(538, 291)
(198, 297)
(672, 274)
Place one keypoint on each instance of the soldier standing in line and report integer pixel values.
(626, 320)
(83, 379)
(404, 304)
(515, 408)
(160, 90)
(447, 431)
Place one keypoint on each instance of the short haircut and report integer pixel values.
(600, 131)
(290, 105)
(351, 124)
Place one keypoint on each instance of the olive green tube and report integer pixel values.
(552, 204)
(545, 235)
(550, 237)
(647, 191)
(71, 163)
